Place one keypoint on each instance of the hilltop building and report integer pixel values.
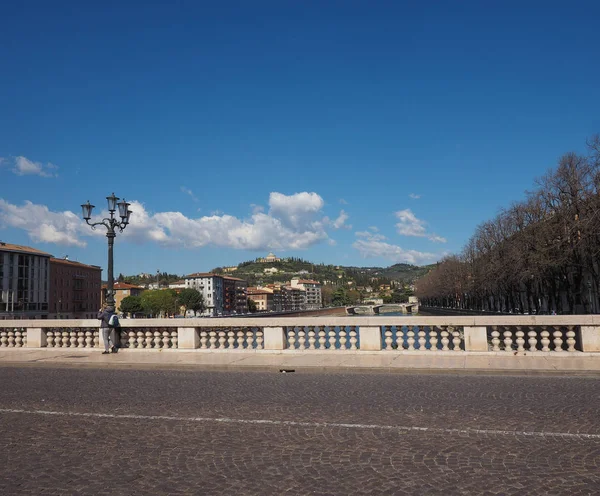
(269, 258)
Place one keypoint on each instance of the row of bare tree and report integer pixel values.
(537, 256)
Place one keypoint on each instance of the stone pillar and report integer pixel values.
(36, 338)
(590, 338)
(370, 338)
(100, 339)
(188, 338)
(476, 338)
(274, 338)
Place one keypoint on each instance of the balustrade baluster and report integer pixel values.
(132, 341)
(213, 339)
(422, 340)
(3, 339)
(507, 339)
(433, 339)
(520, 339)
(558, 341)
(249, 339)
(81, 339)
(259, 339)
(545, 339)
(49, 339)
(332, 337)
(387, 333)
(89, 338)
(165, 338)
(445, 340)
(73, 338)
(353, 339)
(140, 339)
(399, 338)
(230, 339)
(342, 338)
(240, 340)
(301, 338)
(570, 339)
(532, 339)
(411, 338)
(322, 340)
(158, 339)
(221, 339)
(311, 338)
(96, 338)
(174, 339)
(57, 339)
(291, 338)
(149, 336)
(203, 339)
(18, 339)
(495, 339)
(456, 339)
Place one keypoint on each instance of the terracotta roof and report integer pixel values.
(71, 262)
(22, 249)
(124, 285)
(233, 278)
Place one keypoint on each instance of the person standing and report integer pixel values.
(108, 332)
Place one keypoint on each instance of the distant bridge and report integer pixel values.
(405, 308)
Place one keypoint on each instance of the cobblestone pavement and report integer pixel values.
(108, 431)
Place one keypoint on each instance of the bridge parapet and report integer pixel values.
(518, 335)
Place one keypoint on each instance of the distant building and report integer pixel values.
(263, 297)
(211, 287)
(235, 296)
(313, 292)
(229, 270)
(75, 289)
(269, 258)
(271, 270)
(24, 282)
(177, 285)
(122, 290)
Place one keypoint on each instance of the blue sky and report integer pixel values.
(345, 132)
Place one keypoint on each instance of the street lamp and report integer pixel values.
(111, 223)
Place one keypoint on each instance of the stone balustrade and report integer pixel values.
(518, 335)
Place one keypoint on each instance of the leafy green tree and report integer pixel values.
(191, 299)
(252, 306)
(131, 305)
(340, 298)
(159, 301)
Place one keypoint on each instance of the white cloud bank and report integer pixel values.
(292, 222)
(371, 245)
(22, 166)
(410, 225)
(414, 196)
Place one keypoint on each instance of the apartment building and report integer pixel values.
(235, 296)
(263, 297)
(75, 289)
(313, 292)
(211, 287)
(24, 282)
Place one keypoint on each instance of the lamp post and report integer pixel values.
(111, 224)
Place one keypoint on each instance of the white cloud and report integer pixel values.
(374, 228)
(410, 225)
(22, 166)
(42, 225)
(343, 202)
(414, 196)
(373, 246)
(292, 222)
(188, 191)
(341, 221)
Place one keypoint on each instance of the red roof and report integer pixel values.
(124, 285)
